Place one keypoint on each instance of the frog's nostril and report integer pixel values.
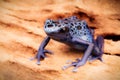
(50, 25)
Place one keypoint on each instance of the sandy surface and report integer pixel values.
(21, 32)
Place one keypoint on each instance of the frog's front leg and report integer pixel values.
(42, 51)
(84, 59)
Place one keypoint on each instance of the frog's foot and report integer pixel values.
(41, 55)
(76, 65)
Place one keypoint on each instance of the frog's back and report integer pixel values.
(80, 30)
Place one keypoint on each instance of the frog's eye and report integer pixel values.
(55, 22)
(79, 27)
(64, 29)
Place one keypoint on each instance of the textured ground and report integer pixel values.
(21, 32)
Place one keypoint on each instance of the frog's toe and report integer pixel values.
(32, 58)
(65, 67)
(38, 62)
(75, 69)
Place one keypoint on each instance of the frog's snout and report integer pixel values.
(48, 26)
(51, 27)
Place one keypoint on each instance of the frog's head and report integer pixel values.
(56, 29)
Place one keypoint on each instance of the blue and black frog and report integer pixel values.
(75, 33)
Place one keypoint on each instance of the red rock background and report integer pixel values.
(21, 32)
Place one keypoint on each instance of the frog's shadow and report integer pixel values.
(71, 50)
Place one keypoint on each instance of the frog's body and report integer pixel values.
(75, 33)
(67, 29)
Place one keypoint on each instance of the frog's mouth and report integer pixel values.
(57, 37)
(51, 31)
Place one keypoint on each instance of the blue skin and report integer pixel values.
(75, 33)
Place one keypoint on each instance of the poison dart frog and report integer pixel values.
(75, 33)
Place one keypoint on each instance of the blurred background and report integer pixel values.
(21, 32)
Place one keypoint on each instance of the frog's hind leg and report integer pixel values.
(98, 49)
(83, 60)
